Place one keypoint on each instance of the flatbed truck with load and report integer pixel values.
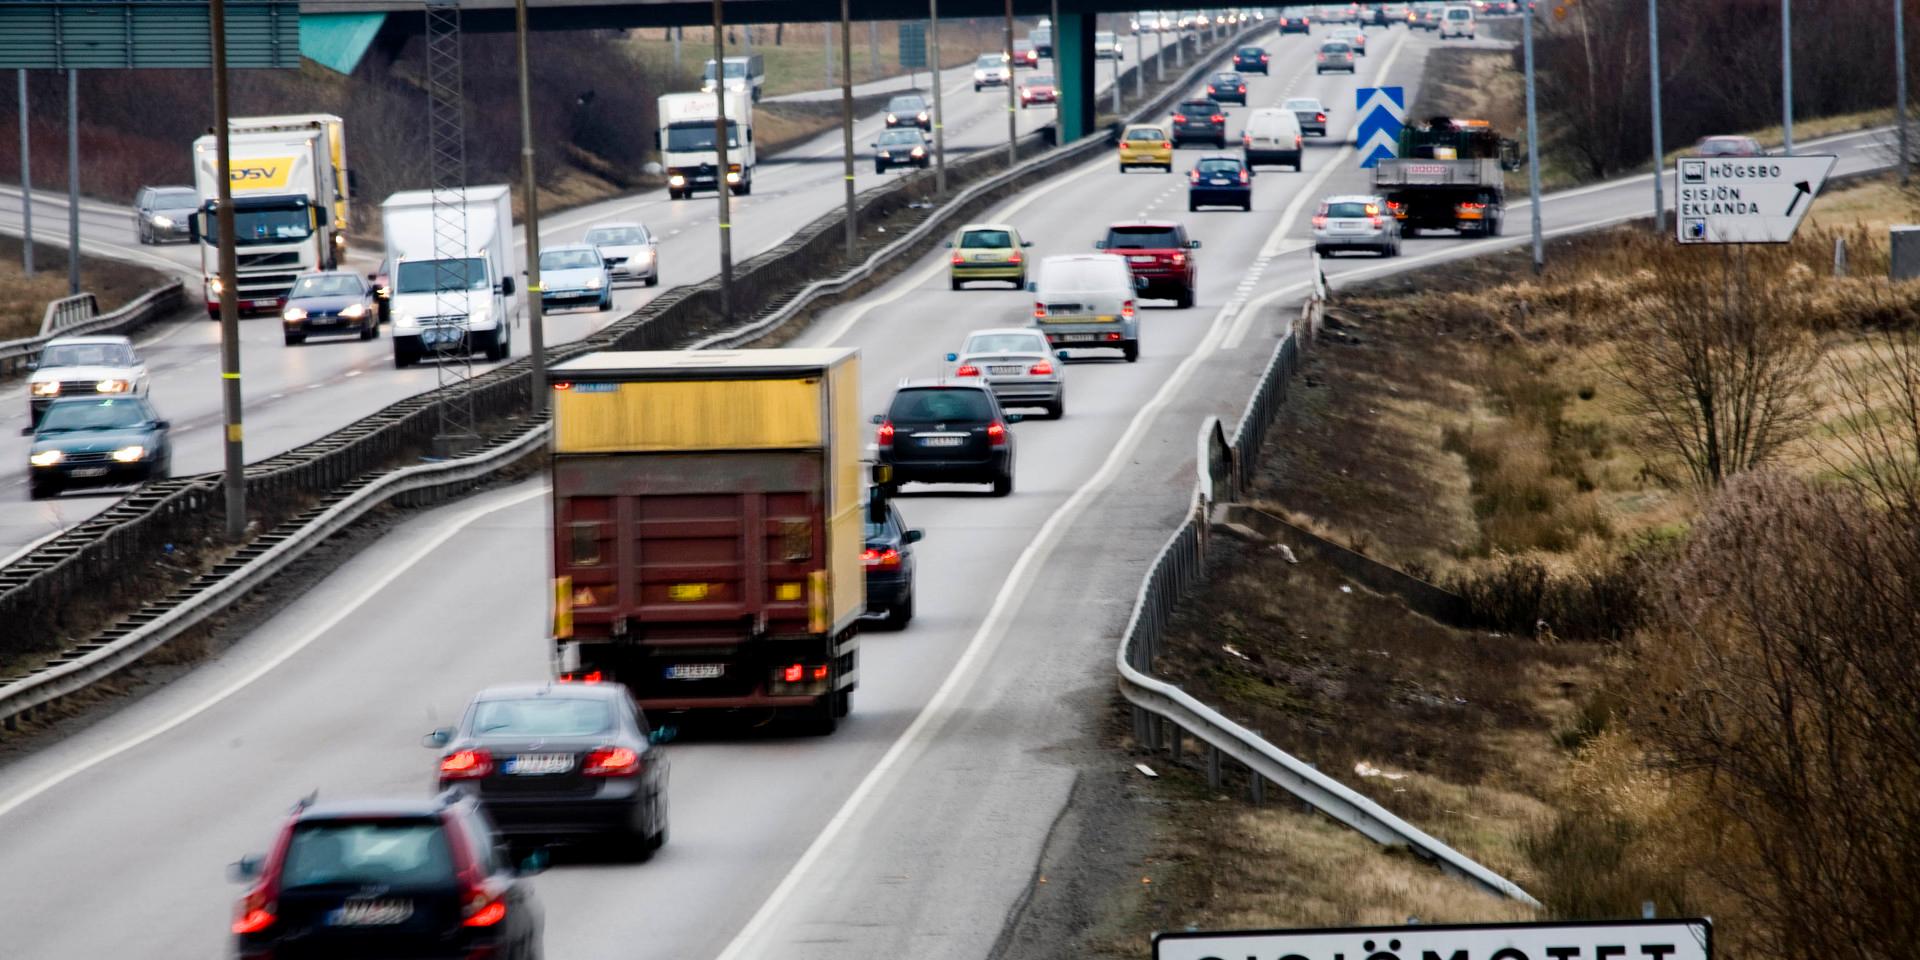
(708, 521)
(1450, 175)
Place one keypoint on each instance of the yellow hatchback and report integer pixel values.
(1146, 145)
(987, 251)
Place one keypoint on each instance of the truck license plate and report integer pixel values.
(696, 671)
(537, 764)
(263, 304)
(1076, 337)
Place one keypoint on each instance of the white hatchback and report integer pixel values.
(84, 367)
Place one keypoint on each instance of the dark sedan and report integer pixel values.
(1197, 120)
(1220, 182)
(1252, 60)
(563, 762)
(92, 441)
(331, 301)
(944, 432)
(889, 561)
(909, 110)
(1227, 88)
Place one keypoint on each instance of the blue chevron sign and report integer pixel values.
(1382, 112)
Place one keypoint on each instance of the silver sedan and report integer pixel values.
(1017, 367)
(632, 248)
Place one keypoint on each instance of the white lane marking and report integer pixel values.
(986, 638)
(858, 313)
(458, 525)
(355, 373)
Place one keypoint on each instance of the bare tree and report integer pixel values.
(1716, 370)
(1879, 394)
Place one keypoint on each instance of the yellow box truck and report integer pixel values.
(707, 528)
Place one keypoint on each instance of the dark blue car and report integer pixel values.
(96, 441)
(1220, 182)
(889, 562)
(331, 301)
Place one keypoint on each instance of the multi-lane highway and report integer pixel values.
(295, 394)
(915, 830)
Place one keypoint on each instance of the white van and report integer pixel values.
(1272, 135)
(1456, 21)
(1086, 300)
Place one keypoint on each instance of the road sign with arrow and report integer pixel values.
(1745, 199)
(1382, 112)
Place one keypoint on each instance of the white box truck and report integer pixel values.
(289, 202)
(451, 302)
(687, 146)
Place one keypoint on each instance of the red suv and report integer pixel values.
(1159, 253)
(413, 877)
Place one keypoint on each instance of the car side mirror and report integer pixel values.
(1193, 244)
(913, 536)
(193, 227)
(246, 869)
(26, 431)
(1026, 243)
(1061, 354)
(33, 364)
(1033, 286)
(659, 735)
(951, 357)
(506, 286)
(610, 264)
(438, 738)
(534, 865)
(1015, 417)
(373, 278)
(879, 418)
(1099, 244)
(163, 424)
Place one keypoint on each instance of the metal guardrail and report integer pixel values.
(1225, 467)
(253, 567)
(75, 316)
(130, 533)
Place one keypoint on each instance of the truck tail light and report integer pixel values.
(1039, 310)
(612, 762)
(997, 433)
(466, 765)
(884, 435)
(1041, 369)
(967, 370)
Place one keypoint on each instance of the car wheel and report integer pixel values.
(878, 169)
(673, 194)
(1058, 408)
(370, 329)
(821, 720)
(653, 281)
(1185, 300)
(1021, 284)
(1131, 351)
(1247, 207)
(898, 616)
(1003, 485)
(1498, 222)
(976, 88)
(954, 282)
(295, 339)
(403, 357)
(41, 491)
(1192, 206)
(606, 303)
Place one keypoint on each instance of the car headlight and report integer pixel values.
(919, 151)
(733, 176)
(163, 222)
(922, 117)
(891, 118)
(979, 74)
(354, 311)
(293, 314)
(643, 254)
(595, 283)
(46, 458)
(45, 388)
(130, 454)
(113, 386)
(677, 180)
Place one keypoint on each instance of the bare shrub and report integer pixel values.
(1596, 598)
(1716, 375)
(1781, 673)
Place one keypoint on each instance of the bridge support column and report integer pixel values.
(1073, 70)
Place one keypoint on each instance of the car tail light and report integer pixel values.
(967, 370)
(466, 765)
(1296, 141)
(591, 676)
(1168, 145)
(958, 259)
(1264, 58)
(1212, 89)
(1246, 139)
(884, 436)
(1349, 56)
(255, 912)
(1243, 88)
(1179, 118)
(1179, 259)
(1243, 176)
(1321, 116)
(888, 559)
(1319, 221)
(1377, 221)
(1219, 118)
(1323, 58)
(997, 433)
(1113, 336)
(612, 762)
(1193, 175)
(1126, 309)
(1041, 369)
(1015, 257)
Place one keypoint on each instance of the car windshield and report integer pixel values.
(1147, 133)
(1199, 106)
(1336, 48)
(1350, 208)
(1143, 238)
(1721, 147)
(541, 717)
(935, 405)
(330, 853)
(986, 240)
(430, 276)
(1219, 166)
(1006, 343)
(1226, 79)
(1461, 15)
(93, 415)
(988, 60)
(328, 285)
(176, 200)
(86, 355)
(1312, 106)
(698, 135)
(906, 105)
(266, 226)
(902, 136)
(616, 236)
(734, 70)
(569, 260)
(1251, 51)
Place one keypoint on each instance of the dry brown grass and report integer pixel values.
(23, 299)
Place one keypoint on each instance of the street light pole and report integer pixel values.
(1786, 74)
(536, 322)
(1533, 149)
(721, 186)
(1013, 118)
(939, 114)
(26, 183)
(1659, 147)
(235, 478)
(1900, 78)
(846, 120)
(73, 181)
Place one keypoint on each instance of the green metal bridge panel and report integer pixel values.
(122, 34)
(337, 41)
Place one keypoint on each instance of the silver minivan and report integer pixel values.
(1086, 300)
(1272, 135)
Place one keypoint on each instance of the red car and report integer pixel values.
(1159, 253)
(1038, 89)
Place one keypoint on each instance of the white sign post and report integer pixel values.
(1745, 199)
(1688, 939)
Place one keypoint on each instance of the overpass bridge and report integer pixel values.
(338, 33)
